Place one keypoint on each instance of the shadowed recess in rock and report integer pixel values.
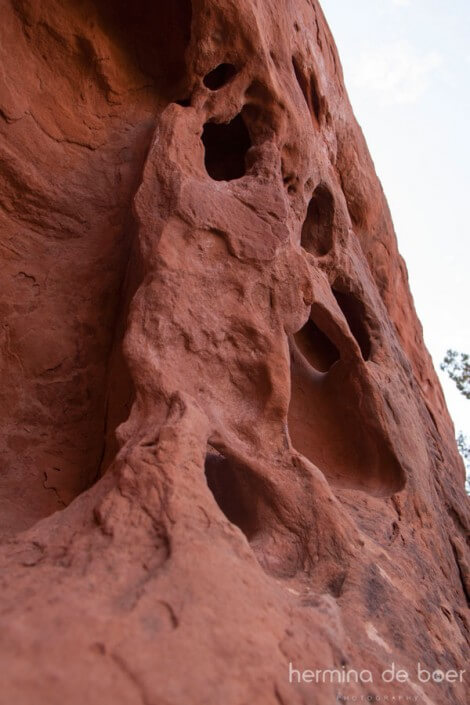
(316, 347)
(105, 70)
(329, 423)
(153, 34)
(315, 99)
(250, 501)
(317, 230)
(309, 90)
(354, 312)
(234, 490)
(225, 147)
(220, 76)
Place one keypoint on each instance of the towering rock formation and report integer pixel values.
(226, 457)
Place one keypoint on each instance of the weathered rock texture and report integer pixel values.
(224, 447)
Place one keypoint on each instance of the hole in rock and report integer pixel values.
(315, 98)
(226, 145)
(290, 181)
(317, 230)
(309, 90)
(219, 76)
(184, 102)
(235, 491)
(316, 347)
(329, 426)
(248, 500)
(301, 80)
(354, 313)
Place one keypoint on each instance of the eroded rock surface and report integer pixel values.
(224, 447)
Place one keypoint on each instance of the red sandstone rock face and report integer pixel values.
(224, 446)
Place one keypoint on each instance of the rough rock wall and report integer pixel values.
(224, 448)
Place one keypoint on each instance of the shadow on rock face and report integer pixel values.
(220, 76)
(226, 145)
(236, 491)
(330, 421)
(317, 230)
(153, 35)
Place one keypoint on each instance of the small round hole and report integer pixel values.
(219, 76)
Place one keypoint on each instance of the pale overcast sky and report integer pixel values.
(406, 66)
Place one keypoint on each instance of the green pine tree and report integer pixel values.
(457, 366)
